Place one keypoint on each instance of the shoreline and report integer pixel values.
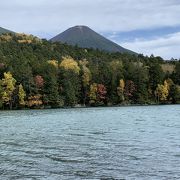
(89, 107)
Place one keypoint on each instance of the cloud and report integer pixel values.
(46, 18)
(167, 46)
(102, 15)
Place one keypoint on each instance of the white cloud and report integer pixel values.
(166, 47)
(49, 17)
(102, 15)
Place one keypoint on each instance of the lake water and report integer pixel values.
(95, 143)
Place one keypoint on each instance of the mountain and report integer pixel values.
(2, 31)
(84, 37)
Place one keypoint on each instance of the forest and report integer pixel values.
(36, 73)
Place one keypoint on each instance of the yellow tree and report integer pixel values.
(120, 90)
(85, 78)
(53, 63)
(8, 83)
(35, 101)
(169, 83)
(21, 95)
(68, 63)
(93, 93)
(86, 74)
(166, 89)
(162, 91)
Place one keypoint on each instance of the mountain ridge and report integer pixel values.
(3, 31)
(84, 37)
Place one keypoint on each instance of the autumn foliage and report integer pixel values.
(39, 81)
(35, 101)
(37, 73)
(130, 88)
(69, 63)
(97, 93)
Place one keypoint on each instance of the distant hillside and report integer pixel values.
(2, 31)
(44, 74)
(85, 37)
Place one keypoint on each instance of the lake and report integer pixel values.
(138, 142)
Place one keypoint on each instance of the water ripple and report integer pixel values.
(95, 143)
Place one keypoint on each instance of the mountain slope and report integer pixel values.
(85, 37)
(3, 31)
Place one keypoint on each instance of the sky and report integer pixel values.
(144, 26)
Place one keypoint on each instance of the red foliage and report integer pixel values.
(130, 88)
(39, 81)
(2, 65)
(101, 91)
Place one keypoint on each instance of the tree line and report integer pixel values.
(36, 73)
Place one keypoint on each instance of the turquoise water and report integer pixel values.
(95, 143)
